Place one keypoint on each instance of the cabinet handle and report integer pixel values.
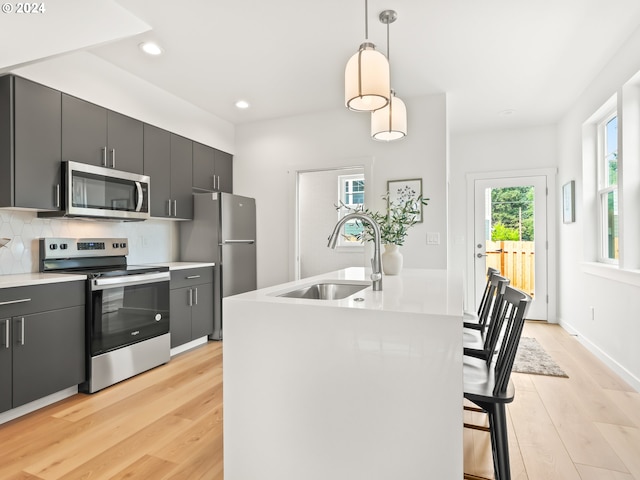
(169, 202)
(21, 330)
(190, 297)
(113, 158)
(213, 181)
(218, 181)
(191, 277)
(175, 208)
(56, 196)
(104, 157)
(6, 333)
(195, 296)
(11, 302)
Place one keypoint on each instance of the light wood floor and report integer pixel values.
(585, 427)
(167, 424)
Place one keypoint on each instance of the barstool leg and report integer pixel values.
(500, 441)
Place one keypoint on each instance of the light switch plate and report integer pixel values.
(433, 238)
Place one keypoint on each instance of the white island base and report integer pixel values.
(345, 389)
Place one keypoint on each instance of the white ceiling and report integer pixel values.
(287, 57)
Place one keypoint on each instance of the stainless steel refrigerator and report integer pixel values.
(223, 231)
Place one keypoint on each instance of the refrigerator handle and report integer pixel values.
(226, 242)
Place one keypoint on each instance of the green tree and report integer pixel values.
(512, 211)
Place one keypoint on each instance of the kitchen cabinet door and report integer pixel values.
(124, 143)
(5, 364)
(203, 168)
(212, 169)
(181, 177)
(30, 145)
(202, 311)
(37, 131)
(157, 164)
(224, 171)
(84, 131)
(180, 317)
(48, 353)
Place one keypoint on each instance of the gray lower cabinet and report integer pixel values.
(30, 144)
(191, 304)
(42, 347)
(168, 162)
(212, 169)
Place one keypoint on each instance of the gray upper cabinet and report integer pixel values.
(157, 164)
(30, 145)
(181, 173)
(212, 169)
(124, 142)
(168, 162)
(97, 136)
(224, 171)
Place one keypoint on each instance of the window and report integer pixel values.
(351, 193)
(608, 188)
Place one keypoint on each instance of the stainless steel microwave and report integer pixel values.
(102, 193)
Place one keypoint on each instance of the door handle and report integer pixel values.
(104, 157)
(195, 296)
(21, 330)
(190, 297)
(113, 158)
(139, 194)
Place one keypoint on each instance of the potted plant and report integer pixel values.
(394, 227)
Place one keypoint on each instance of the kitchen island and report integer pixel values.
(364, 387)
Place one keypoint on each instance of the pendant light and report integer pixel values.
(390, 122)
(366, 77)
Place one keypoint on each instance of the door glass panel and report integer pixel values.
(510, 235)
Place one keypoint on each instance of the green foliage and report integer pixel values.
(395, 223)
(512, 212)
(500, 232)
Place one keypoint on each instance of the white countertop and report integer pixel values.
(426, 291)
(183, 265)
(26, 279)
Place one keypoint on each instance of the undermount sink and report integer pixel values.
(326, 291)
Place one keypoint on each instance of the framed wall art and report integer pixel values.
(402, 190)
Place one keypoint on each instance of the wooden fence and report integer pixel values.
(514, 260)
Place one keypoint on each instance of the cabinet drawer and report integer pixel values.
(40, 298)
(191, 276)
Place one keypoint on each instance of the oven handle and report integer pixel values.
(128, 280)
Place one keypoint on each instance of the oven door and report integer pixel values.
(127, 310)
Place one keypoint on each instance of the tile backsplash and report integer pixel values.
(149, 241)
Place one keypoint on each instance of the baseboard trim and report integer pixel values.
(610, 362)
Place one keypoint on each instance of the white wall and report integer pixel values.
(269, 153)
(613, 333)
(316, 190)
(494, 151)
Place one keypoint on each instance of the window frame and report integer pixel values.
(604, 189)
(341, 212)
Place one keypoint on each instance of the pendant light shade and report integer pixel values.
(390, 123)
(366, 80)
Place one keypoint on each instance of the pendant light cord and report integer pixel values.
(366, 22)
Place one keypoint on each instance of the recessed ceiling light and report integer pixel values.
(151, 48)
(242, 104)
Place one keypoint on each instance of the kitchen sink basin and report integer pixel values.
(326, 291)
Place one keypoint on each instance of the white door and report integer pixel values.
(510, 223)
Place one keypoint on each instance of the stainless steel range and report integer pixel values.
(127, 307)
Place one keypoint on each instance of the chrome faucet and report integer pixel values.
(376, 263)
